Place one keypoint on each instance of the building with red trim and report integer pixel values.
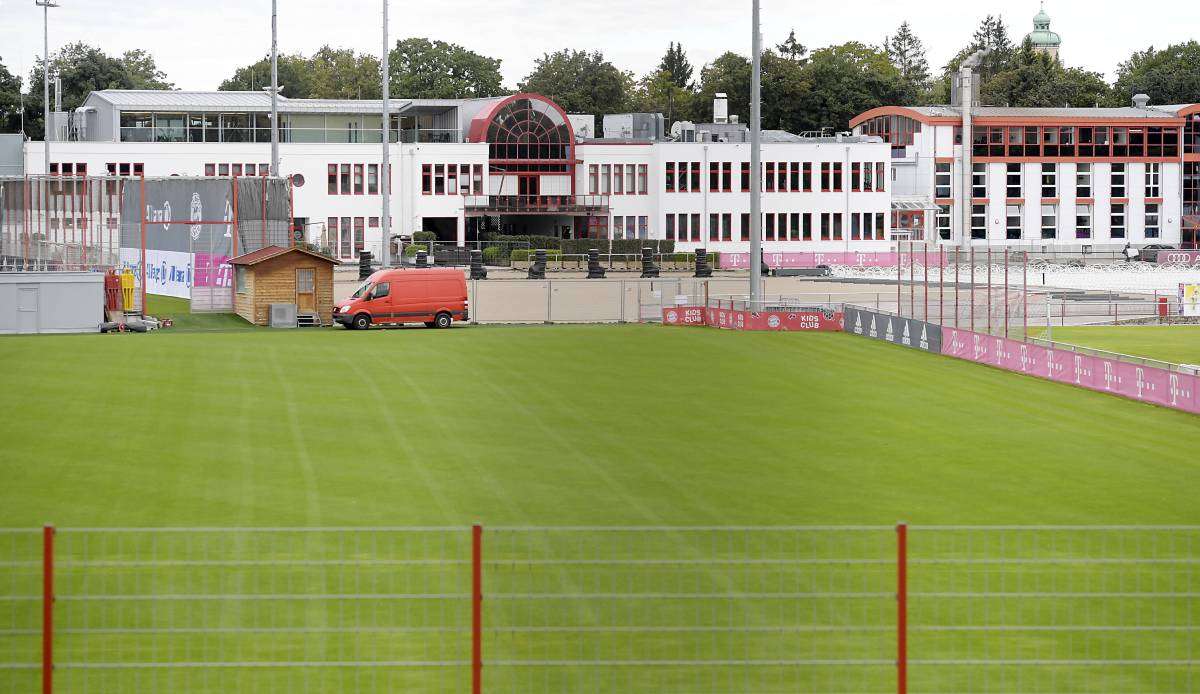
(1043, 177)
(518, 164)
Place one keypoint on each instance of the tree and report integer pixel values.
(785, 87)
(907, 54)
(675, 64)
(424, 69)
(10, 101)
(991, 34)
(84, 69)
(657, 92)
(1167, 76)
(730, 74)
(294, 77)
(1036, 79)
(580, 82)
(846, 80)
(340, 73)
(791, 48)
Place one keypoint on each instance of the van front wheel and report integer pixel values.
(361, 322)
(442, 320)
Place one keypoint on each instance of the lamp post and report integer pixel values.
(385, 220)
(46, 5)
(274, 93)
(755, 160)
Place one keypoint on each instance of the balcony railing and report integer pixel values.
(287, 134)
(537, 204)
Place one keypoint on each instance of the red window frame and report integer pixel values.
(251, 169)
(344, 179)
(880, 177)
(477, 179)
(769, 179)
(669, 177)
(138, 168)
(714, 226)
(808, 226)
(807, 183)
(359, 235)
(726, 226)
(745, 177)
(372, 179)
(643, 176)
(696, 226)
(451, 179)
(794, 176)
(209, 169)
(826, 177)
(358, 179)
(331, 174)
(235, 169)
(670, 227)
(727, 177)
(781, 183)
(426, 179)
(714, 176)
(769, 227)
(696, 177)
(855, 177)
(618, 179)
(593, 178)
(837, 176)
(439, 179)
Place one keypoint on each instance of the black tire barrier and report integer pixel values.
(703, 269)
(537, 269)
(649, 268)
(478, 271)
(595, 269)
(364, 265)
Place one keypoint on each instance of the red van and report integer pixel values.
(434, 296)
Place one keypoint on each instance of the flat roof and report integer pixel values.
(158, 100)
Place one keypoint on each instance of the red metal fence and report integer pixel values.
(840, 609)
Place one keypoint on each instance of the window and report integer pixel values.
(630, 226)
(1117, 178)
(223, 170)
(451, 179)
(837, 226)
(808, 226)
(439, 179)
(1049, 180)
(978, 221)
(1012, 222)
(1152, 220)
(426, 179)
(781, 176)
(618, 227)
(745, 177)
(769, 228)
(794, 176)
(825, 226)
(358, 179)
(251, 169)
(881, 178)
(476, 179)
(359, 228)
(726, 226)
(209, 169)
(1153, 181)
(642, 175)
(605, 178)
(1049, 221)
(236, 169)
(618, 180)
(868, 179)
(696, 177)
(345, 178)
(744, 227)
(629, 183)
(1083, 221)
(714, 226)
(593, 178)
(837, 176)
(1116, 221)
(856, 176)
(1083, 180)
(345, 237)
(643, 225)
(714, 176)
(794, 227)
(781, 229)
(807, 177)
(979, 181)
(381, 290)
(332, 175)
(242, 274)
(826, 179)
(373, 179)
(670, 227)
(941, 181)
(727, 177)
(879, 228)
(683, 227)
(769, 181)
(696, 226)
(941, 221)
(856, 226)
(1014, 180)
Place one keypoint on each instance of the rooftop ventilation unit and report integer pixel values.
(1141, 100)
(721, 108)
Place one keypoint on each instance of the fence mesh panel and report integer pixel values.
(20, 610)
(689, 610)
(262, 610)
(1054, 610)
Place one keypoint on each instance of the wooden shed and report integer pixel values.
(275, 275)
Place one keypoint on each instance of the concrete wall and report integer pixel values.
(51, 302)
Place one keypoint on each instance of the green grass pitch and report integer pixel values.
(208, 425)
(1174, 343)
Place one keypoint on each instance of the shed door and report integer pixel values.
(306, 298)
(27, 309)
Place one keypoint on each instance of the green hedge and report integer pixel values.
(521, 254)
(412, 248)
(533, 241)
(616, 246)
(424, 236)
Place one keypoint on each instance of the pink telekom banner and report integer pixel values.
(803, 320)
(1134, 381)
(739, 261)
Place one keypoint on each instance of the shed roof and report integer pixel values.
(269, 252)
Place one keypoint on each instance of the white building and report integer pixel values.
(516, 164)
(1044, 177)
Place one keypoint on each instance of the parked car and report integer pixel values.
(436, 297)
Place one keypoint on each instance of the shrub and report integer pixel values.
(412, 248)
(521, 254)
(424, 236)
(493, 255)
(533, 241)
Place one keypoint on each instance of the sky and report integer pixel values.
(200, 43)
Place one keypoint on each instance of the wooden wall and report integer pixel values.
(274, 282)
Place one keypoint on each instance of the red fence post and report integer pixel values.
(901, 608)
(47, 609)
(476, 609)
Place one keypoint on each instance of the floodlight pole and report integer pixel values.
(385, 174)
(46, 5)
(755, 158)
(274, 91)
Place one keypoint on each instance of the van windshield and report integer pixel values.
(362, 290)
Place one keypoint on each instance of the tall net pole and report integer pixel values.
(755, 157)
(385, 217)
(274, 92)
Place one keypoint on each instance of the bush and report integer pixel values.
(411, 249)
(533, 241)
(616, 246)
(522, 254)
(424, 236)
(494, 255)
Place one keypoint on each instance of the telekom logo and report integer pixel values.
(1026, 362)
(1080, 371)
(1109, 376)
(978, 347)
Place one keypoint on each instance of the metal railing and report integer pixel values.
(1118, 356)
(287, 135)
(536, 204)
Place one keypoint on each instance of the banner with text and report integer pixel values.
(909, 332)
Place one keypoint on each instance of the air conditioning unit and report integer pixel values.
(283, 316)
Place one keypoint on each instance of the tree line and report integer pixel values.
(802, 90)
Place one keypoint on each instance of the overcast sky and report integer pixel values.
(200, 43)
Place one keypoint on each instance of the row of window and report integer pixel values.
(778, 226)
(237, 169)
(1074, 141)
(451, 179)
(1014, 180)
(782, 176)
(618, 179)
(1014, 216)
(352, 179)
(348, 234)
